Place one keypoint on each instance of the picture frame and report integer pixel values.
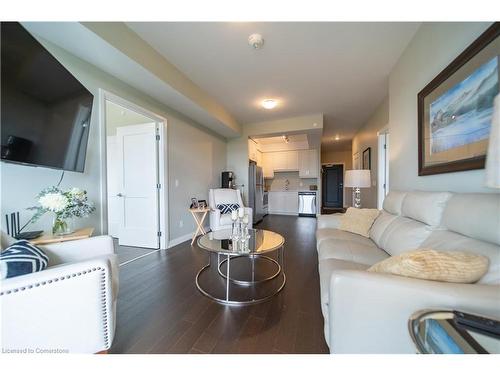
(367, 158)
(194, 203)
(202, 203)
(455, 109)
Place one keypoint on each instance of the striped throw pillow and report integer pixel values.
(227, 208)
(22, 258)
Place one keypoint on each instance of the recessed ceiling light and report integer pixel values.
(256, 41)
(269, 103)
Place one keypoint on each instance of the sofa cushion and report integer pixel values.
(403, 234)
(359, 220)
(430, 264)
(451, 241)
(226, 196)
(380, 225)
(474, 215)
(225, 220)
(352, 251)
(337, 234)
(426, 207)
(328, 221)
(393, 202)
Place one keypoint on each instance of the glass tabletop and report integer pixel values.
(261, 241)
(436, 332)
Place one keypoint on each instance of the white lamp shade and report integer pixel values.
(357, 178)
(493, 157)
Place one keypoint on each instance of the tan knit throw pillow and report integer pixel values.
(428, 264)
(358, 220)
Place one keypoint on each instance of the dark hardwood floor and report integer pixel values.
(161, 311)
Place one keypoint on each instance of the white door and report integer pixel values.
(138, 184)
(114, 210)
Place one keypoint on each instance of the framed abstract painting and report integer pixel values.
(456, 107)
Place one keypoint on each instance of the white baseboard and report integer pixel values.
(184, 238)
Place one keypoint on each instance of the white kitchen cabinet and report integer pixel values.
(267, 164)
(292, 160)
(252, 150)
(285, 161)
(259, 158)
(279, 160)
(308, 164)
(283, 202)
(254, 153)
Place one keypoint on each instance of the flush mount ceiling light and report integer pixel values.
(256, 41)
(269, 103)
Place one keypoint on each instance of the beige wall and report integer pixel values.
(196, 156)
(340, 157)
(367, 137)
(433, 47)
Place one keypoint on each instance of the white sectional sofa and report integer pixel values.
(367, 312)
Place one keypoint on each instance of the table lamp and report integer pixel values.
(357, 178)
(492, 173)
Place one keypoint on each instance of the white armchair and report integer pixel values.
(69, 306)
(218, 220)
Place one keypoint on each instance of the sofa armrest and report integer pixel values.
(329, 221)
(249, 212)
(68, 307)
(74, 251)
(369, 312)
(214, 219)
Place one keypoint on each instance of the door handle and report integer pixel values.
(120, 195)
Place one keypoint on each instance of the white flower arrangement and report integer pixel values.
(65, 204)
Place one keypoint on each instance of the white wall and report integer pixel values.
(196, 156)
(434, 46)
(367, 137)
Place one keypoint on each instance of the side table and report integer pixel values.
(438, 332)
(50, 238)
(199, 216)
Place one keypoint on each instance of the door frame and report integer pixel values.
(161, 125)
(343, 179)
(382, 166)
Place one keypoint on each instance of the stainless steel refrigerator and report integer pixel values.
(256, 191)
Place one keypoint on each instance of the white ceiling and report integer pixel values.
(339, 69)
(85, 44)
(270, 140)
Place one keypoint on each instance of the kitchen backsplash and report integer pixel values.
(278, 183)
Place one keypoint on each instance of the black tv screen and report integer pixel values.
(45, 110)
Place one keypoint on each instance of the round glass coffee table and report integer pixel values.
(245, 273)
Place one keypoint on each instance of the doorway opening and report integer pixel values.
(135, 179)
(332, 184)
(383, 168)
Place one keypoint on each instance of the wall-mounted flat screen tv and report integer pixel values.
(45, 110)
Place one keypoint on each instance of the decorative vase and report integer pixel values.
(61, 227)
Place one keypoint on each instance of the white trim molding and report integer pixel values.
(161, 123)
(184, 238)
